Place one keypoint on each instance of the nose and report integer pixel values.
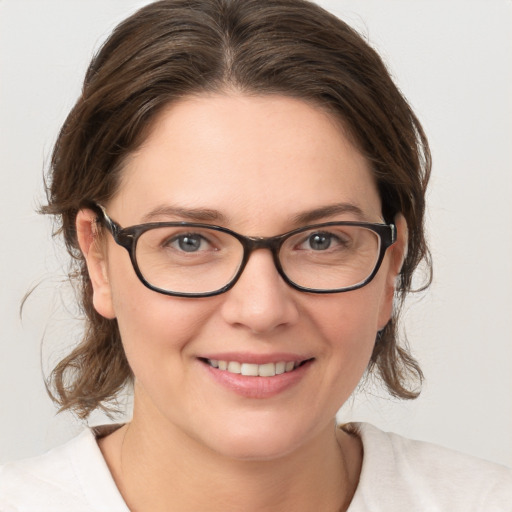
(260, 300)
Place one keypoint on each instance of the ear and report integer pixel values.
(396, 255)
(95, 254)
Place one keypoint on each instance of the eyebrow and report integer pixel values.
(317, 214)
(209, 215)
(191, 214)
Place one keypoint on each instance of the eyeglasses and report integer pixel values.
(188, 259)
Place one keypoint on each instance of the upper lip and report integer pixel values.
(252, 358)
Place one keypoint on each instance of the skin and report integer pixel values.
(193, 444)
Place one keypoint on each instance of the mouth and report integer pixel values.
(255, 370)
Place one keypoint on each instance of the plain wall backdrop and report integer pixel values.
(452, 60)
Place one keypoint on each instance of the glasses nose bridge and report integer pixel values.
(254, 243)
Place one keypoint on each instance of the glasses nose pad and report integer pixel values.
(259, 299)
(252, 244)
(272, 244)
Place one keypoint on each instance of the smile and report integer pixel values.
(255, 370)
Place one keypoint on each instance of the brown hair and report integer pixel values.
(173, 48)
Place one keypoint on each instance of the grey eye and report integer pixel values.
(189, 242)
(320, 241)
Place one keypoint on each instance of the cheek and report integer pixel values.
(158, 334)
(348, 324)
(154, 324)
(155, 329)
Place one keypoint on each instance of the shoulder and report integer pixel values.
(402, 474)
(73, 476)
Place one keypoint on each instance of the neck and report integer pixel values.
(157, 466)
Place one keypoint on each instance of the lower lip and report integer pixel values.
(258, 387)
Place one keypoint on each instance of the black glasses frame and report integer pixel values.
(128, 237)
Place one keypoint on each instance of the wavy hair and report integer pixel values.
(174, 48)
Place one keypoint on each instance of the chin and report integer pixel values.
(250, 449)
(257, 441)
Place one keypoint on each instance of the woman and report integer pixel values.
(242, 186)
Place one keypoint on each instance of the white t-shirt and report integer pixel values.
(398, 475)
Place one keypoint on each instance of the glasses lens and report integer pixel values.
(330, 257)
(185, 259)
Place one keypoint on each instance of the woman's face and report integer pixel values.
(260, 166)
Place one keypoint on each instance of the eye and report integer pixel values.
(323, 240)
(331, 240)
(320, 241)
(189, 242)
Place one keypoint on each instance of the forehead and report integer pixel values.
(253, 158)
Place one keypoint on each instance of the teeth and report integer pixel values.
(267, 370)
(254, 370)
(249, 369)
(234, 367)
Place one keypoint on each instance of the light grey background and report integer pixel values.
(452, 59)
